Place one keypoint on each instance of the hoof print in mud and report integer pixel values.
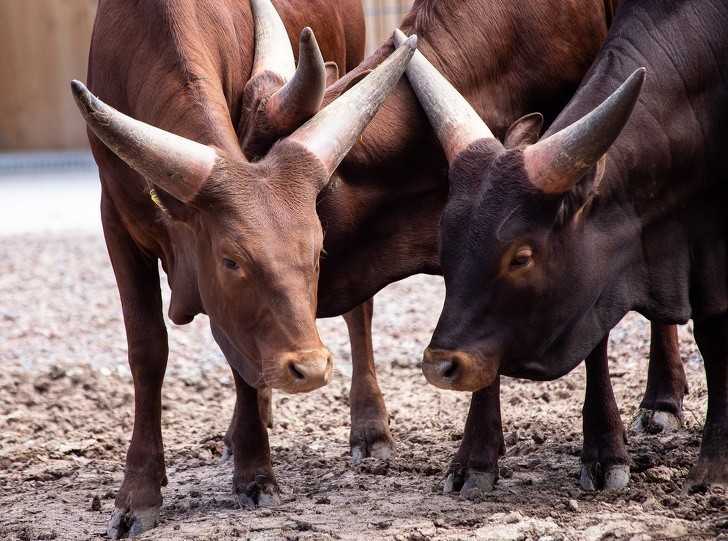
(655, 422)
(595, 477)
(263, 492)
(127, 523)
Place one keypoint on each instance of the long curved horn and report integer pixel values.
(336, 128)
(177, 165)
(273, 51)
(301, 97)
(455, 122)
(555, 164)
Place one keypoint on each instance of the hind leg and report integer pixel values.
(370, 434)
(712, 466)
(661, 408)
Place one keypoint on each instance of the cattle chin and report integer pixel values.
(299, 372)
(458, 370)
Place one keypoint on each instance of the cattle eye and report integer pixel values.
(522, 258)
(230, 264)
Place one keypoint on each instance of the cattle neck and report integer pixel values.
(657, 204)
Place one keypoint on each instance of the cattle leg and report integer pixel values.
(475, 466)
(140, 498)
(370, 434)
(605, 462)
(661, 408)
(254, 483)
(712, 466)
(265, 407)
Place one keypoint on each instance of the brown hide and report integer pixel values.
(183, 66)
(381, 216)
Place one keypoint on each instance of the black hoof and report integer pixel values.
(263, 492)
(125, 522)
(469, 483)
(594, 476)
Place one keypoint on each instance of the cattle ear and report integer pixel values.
(332, 73)
(524, 131)
(578, 201)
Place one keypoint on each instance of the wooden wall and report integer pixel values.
(44, 44)
(382, 17)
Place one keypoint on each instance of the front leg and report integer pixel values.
(370, 434)
(605, 462)
(254, 483)
(661, 408)
(712, 466)
(139, 499)
(475, 466)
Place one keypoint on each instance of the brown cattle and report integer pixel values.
(237, 235)
(381, 216)
(619, 206)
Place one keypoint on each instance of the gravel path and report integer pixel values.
(66, 413)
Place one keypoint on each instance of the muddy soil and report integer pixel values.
(66, 417)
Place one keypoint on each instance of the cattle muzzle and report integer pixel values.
(302, 371)
(457, 370)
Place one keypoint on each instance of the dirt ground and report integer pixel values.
(66, 416)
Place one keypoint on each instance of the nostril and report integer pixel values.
(448, 369)
(297, 374)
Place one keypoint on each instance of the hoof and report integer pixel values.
(469, 483)
(707, 474)
(594, 477)
(129, 523)
(372, 441)
(263, 492)
(616, 477)
(477, 484)
(655, 422)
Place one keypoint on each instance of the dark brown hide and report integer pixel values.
(644, 229)
(381, 216)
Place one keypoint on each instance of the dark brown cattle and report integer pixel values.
(216, 172)
(381, 216)
(547, 246)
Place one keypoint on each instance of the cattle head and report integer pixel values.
(521, 269)
(247, 232)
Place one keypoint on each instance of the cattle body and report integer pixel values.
(619, 206)
(381, 215)
(212, 148)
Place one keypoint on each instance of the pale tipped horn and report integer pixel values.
(300, 98)
(335, 129)
(177, 165)
(556, 163)
(454, 120)
(273, 51)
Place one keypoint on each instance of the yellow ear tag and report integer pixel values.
(155, 199)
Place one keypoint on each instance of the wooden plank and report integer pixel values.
(45, 44)
(382, 17)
